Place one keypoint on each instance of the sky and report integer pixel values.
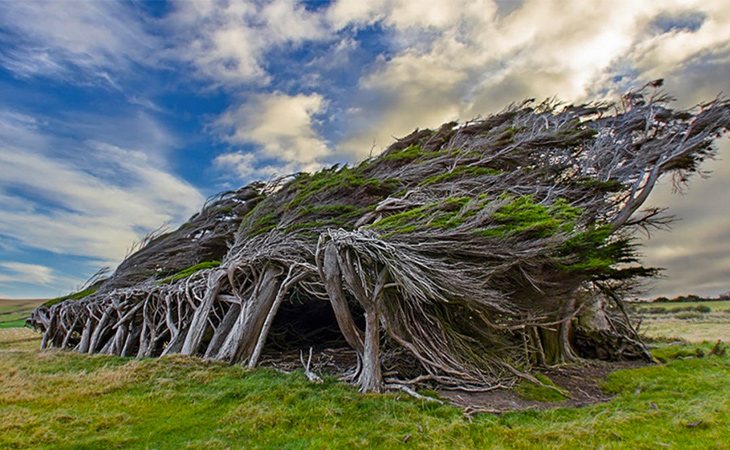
(119, 117)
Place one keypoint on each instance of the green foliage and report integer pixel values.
(314, 201)
(459, 172)
(328, 181)
(590, 251)
(401, 220)
(189, 271)
(263, 224)
(224, 209)
(446, 214)
(416, 152)
(523, 215)
(596, 251)
(545, 392)
(263, 218)
(73, 296)
(407, 154)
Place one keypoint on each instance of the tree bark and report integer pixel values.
(238, 344)
(200, 317)
(332, 277)
(371, 377)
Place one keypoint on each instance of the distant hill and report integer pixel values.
(13, 312)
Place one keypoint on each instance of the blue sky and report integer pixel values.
(118, 117)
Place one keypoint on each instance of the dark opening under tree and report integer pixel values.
(460, 257)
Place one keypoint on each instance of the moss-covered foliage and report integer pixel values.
(190, 270)
(73, 296)
(458, 172)
(331, 198)
(338, 197)
(523, 215)
(443, 215)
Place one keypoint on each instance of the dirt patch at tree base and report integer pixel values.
(582, 382)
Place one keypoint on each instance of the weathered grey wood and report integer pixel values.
(371, 377)
(99, 330)
(332, 278)
(129, 343)
(49, 332)
(200, 318)
(86, 336)
(290, 279)
(242, 337)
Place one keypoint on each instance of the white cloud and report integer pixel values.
(282, 129)
(239, 164)
(51, 38)
(460, 59)
(16, 272)
(658, 54)
(450, 59)
(403, 14)
(226, 41)
(92, 202)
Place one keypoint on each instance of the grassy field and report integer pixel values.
(65, 400)
(682, 320)
(692, 330)
(717, 306)
(14, 312)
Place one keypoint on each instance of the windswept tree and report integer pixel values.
(461, 257)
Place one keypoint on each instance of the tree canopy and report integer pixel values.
(462, 256)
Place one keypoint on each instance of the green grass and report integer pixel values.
(709, 328)
(16, 323)
(65, 400)
(673, 320)
(547, 392)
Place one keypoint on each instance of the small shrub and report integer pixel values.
(719, 349)
(687, 315)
